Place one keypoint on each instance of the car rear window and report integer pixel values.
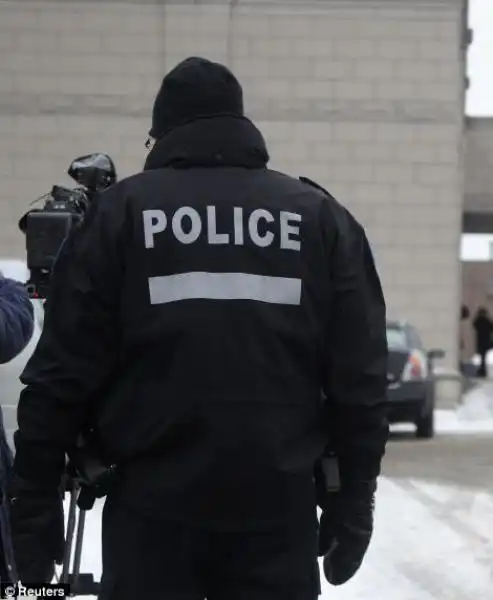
(396, 338)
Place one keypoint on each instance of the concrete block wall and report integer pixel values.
(365, 96)
(479, 166)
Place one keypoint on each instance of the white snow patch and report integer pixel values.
(475, 415)
(418, 553)
(458, 423)
(477, 404)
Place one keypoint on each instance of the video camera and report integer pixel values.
(88, 477)
(64, 209)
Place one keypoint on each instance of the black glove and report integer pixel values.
(346, 528)
(37, 527)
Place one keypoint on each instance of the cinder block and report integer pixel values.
(313, 48)
(353, 132)
(372, 152)
(397, 48)
(279, 131)
(17, 18)
(242, 47)
(330, 153)
(415, 28)
(423, 71)
(376, 70)
(334, 70)
(378, 195)
(273, 47)
(297, 153)
(437, 49)
(313, 132)
(438, 132)
(434, 174)
(397, 90)
(353, 90)
(355, 48)
(439, 92)
(289, 68)
(247, 25)
(292, 26)
(272, 88)
(313, 89)
(396, 133)
(394, 173)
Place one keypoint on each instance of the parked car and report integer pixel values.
(410, 378)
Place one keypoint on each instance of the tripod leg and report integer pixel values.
(78, 548)
(70, 536)
(8, 549)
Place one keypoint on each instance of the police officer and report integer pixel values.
(225, 326)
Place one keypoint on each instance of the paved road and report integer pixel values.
(465, 460)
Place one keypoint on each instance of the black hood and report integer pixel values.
(195, 88)
(224, 141)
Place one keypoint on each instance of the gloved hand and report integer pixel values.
(37, 527)
(346, 528)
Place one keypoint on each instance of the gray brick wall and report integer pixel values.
(365, 96)
(479, 166)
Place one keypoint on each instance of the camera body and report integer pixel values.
(64, 209)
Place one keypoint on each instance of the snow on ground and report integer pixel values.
(475, 414)
(478, 404)
(431, 542)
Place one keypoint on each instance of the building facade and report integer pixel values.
(364, 96)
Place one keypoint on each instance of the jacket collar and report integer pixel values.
(220, 141)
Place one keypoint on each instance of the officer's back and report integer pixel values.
(224, 300)
(207, 304)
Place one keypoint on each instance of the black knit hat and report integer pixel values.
(195, 88)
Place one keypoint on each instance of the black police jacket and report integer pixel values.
(200, 315)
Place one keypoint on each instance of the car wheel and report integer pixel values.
(425, 426)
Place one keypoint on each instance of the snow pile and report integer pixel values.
(452, 422)
(475, 415)
(477, 404)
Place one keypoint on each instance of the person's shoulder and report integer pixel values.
(332, 208)
(16, 319)
(301, 183)
(314, 185)
(14, 288)
(129, 189)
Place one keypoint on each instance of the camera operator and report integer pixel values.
(16, 330)
(198, 314)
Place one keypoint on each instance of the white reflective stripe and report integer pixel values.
(224, 286)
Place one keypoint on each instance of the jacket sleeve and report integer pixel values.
(355, 383)
(77, 354)
(16, 319)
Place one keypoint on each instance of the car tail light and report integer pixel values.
(416, 368)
